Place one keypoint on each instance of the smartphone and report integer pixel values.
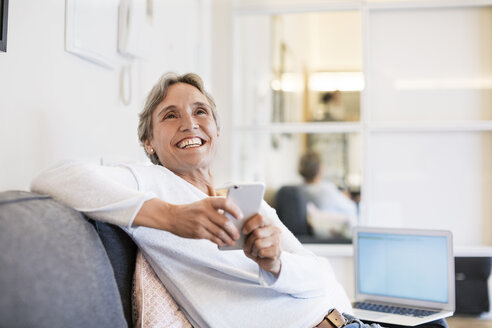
(248, 198)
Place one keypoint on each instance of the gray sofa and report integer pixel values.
(59, 269)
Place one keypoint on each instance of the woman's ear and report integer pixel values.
(148, 148)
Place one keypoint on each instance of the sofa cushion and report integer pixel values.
(154, 307)
(54, 271)
(122, 253)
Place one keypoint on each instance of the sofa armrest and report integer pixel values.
(54, 271)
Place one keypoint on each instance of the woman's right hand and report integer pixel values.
(199, 220)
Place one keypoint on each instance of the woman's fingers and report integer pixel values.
(202, 220)
(215, 239)
(227, 205)
(262, 238)
(226, 237)
(272, 252)
(255, 222)
(259, 245)
(221, 220)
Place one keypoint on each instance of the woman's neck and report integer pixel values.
(200, 178)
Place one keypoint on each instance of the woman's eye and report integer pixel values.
(170, 115)
(201, 111)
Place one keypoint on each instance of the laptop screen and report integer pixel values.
(408, 266)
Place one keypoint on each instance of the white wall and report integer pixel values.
(221, 76)
(55, 106)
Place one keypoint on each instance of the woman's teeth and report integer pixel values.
(189, 143)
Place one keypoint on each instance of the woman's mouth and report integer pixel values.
(190, 143)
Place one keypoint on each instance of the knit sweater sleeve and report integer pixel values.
(105, 193)
(302, 274)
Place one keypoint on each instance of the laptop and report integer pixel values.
(403, 276)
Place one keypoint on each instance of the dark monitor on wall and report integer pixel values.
(4, 4)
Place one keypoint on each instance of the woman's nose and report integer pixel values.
(188, 122)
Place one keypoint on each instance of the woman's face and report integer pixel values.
(185, 133)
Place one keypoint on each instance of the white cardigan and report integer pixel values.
(213, 288)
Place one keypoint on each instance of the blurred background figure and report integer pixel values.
(330, 212)
(333, 109)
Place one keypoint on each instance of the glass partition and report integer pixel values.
(300, 74)
(420, 108)
(316, 68)
(431, 65)
(299, 68)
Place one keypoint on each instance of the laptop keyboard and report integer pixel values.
(393, 309)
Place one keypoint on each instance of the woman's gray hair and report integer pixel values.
(157, 95)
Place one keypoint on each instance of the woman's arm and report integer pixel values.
(111, 194)
(105, 193)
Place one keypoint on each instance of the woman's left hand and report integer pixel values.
(263, 243)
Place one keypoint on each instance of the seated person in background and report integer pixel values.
(331, 213)
(171, 211)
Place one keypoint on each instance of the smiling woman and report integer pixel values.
(156, 96)
(179, 128)
(184, 133)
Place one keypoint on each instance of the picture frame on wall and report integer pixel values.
(91, 30)
(4, 4)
